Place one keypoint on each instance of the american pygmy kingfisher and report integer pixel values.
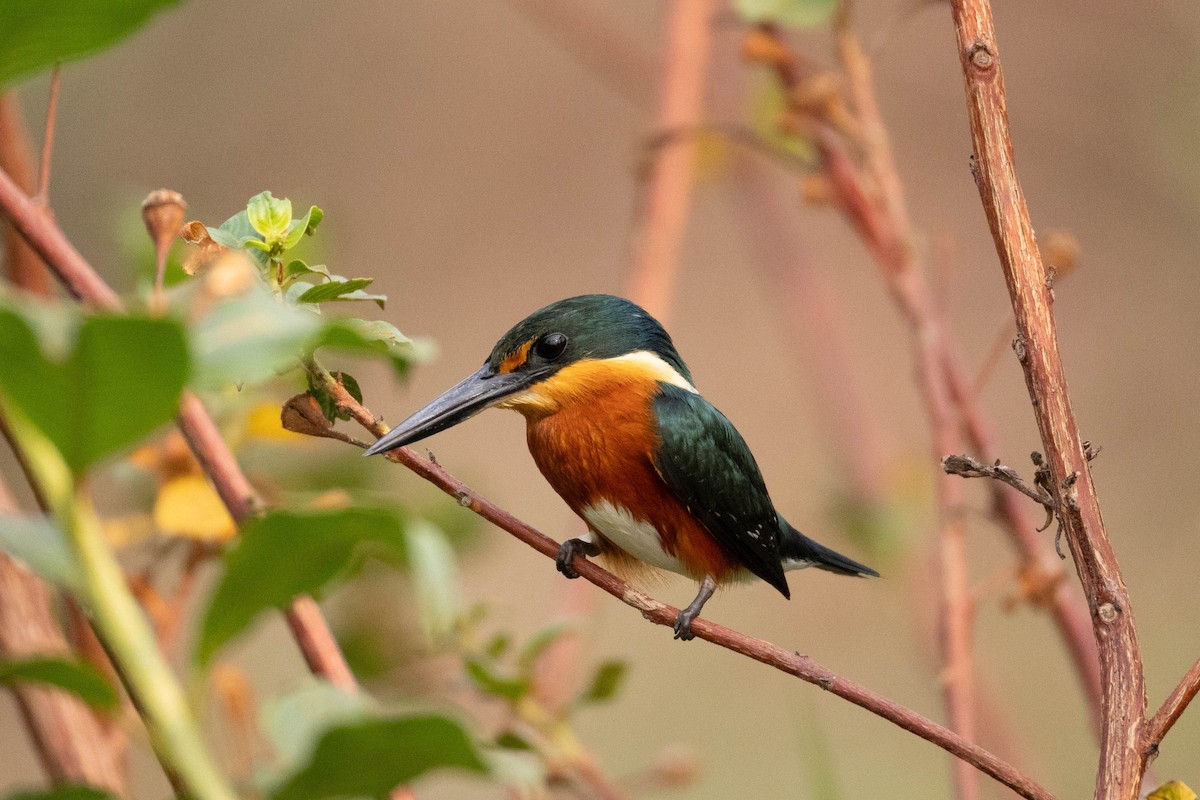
(616, 426)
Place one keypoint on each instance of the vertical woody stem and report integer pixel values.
(667, 196)
(1123, 693)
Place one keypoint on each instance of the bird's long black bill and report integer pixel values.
(459, 403)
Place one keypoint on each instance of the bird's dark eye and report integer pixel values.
(551, 346)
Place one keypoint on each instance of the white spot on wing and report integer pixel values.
(638, 539)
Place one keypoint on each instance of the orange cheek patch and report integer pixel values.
(516, 359)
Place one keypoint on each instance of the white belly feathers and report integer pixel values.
(638, 539)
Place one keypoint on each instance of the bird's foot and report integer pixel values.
(683, 622)
(567, 552)
(683, 625)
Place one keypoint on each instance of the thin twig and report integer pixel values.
(1122, 758)
(1175, 704)
(659, 613)
(967, 467)
(43, 189)
(1042, 572)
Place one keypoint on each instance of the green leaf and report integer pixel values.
(326, 400)
(256, 244)
(371, 757)
(539, 643)
(63, 793)
(373, 338)
(339, 288)
(434, 572)
(792, 13)
(41, 545)
(295, 721)
(303, 226)
(489, 682)
(297, 269)
(286, 554)
(250, 338)
(121, 381)
(605, 682)
(35, 34)
(81, 680)
(512, 741)
(234, 232)
(270, 216)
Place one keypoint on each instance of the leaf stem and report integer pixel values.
(127, 636)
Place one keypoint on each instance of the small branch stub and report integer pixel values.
(980, 56)
(968, 467)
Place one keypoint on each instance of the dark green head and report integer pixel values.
(588, 326)
(591, 326)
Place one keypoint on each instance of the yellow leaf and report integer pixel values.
(263, 423)
(188, 506)
(1175, 790)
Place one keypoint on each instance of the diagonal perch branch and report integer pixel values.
(661, 614)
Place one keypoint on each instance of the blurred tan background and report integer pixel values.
(479, 170)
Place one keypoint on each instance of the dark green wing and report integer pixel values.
(706, 463)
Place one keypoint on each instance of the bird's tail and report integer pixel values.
(798, 551)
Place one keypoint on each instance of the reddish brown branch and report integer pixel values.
(661, 614)
(73, 744)
(1040, 566)
(1175, 704)
(25, 267)
(1123, 692)
(43, 187)
(667, 194)
(318, 646)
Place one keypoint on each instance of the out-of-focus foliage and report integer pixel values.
(64, 793)
(333, 744)
(370, 757)
(39, 543)
(119, 381)
(290, 553)
(793, 13)
(35, 34)
(243, 322)
(80, 679)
